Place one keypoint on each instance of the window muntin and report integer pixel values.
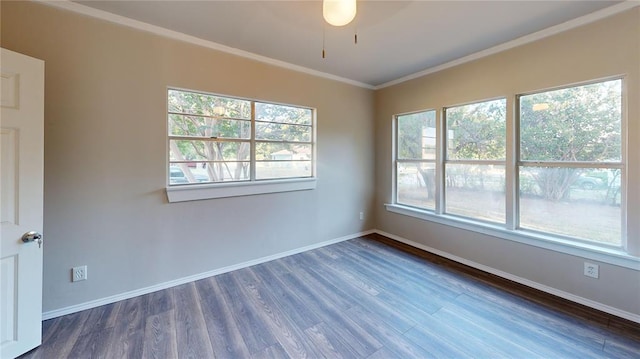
(214, 139)
(283, 132)
(275, 113)
(474, 164)
(283, 141)
(416, 154)
(197, 103)
(570, 162)
(208, 126)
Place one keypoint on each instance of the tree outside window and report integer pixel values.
(221, 139)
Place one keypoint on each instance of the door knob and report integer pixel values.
(32, 236)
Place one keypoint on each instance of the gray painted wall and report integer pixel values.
(105, 158)
(610, 47)
(105, 155)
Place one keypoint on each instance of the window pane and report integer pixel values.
(476, 191)
(576, 202)
(269, 151)
(417, 135)
(416, 184)
(282, 132)
(180, 125)
(182, 150)
(215, 138)
(208, 105)
(575, 124)
(283, 169)
(206, 172)
(267, 112)
(477, 131)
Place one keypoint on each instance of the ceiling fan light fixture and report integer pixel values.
(338, 12)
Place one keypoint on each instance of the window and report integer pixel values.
(564, 180)
(223, 140)
(416, 153)
(475, 160)
(570, 162)
(284, 145)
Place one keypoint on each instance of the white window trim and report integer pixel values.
(196, 192)
(612, 256)
(213, 190)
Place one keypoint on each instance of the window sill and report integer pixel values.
(606, 255)
(221, 190)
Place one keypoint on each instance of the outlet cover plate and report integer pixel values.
(591, 270)
(79, 273)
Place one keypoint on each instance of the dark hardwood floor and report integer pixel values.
(364, 298)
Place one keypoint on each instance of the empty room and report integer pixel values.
(320, 179)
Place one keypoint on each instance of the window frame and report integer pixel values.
(397, 160)
(621, 165)
(481, 162)
(614, 254)
(252, 185)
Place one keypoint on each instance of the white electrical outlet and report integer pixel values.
(361, 216)
(78, 273)
(591, 270)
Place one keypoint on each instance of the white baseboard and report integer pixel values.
(559, 293)
(134, 293)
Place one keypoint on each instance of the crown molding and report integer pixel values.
(550, 31)
(161, 31)
(157, 30)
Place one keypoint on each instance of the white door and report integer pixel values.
(21, 193)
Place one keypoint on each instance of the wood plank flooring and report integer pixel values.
(364, 298)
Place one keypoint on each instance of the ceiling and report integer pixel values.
(395, 38)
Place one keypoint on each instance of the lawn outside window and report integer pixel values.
(221, 146)
(565, 185)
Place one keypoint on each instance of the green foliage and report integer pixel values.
(268, 112)
(575, 124)
(477, 131)
(203, 104)
(286, 124)
(413, 130)
(217, 131)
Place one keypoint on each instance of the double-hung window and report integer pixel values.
(570, 164)
(474, 165)
(416, 159)
(559, 176)
(224, 141)
(283, 137)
